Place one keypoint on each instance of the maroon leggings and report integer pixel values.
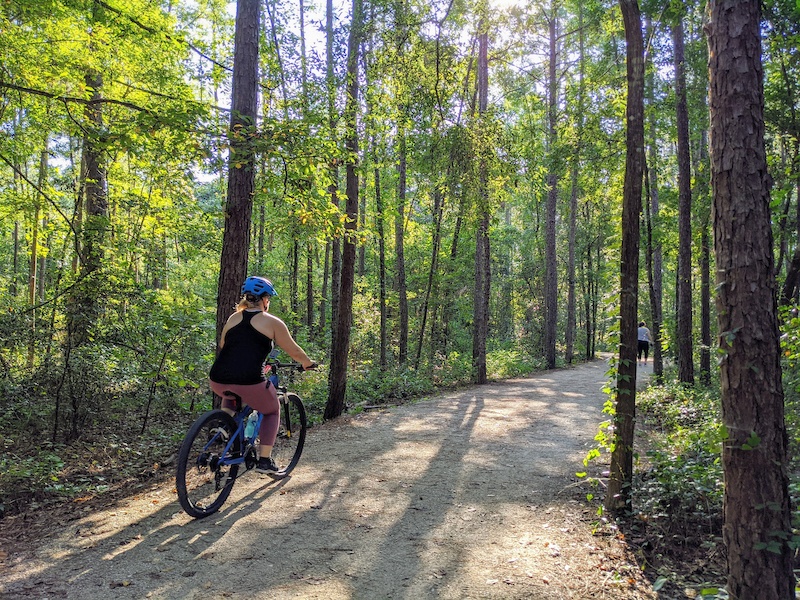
(262, 397)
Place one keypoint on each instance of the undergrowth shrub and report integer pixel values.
(790, 348)
(679, 486)
(503, 363)
(373, 386)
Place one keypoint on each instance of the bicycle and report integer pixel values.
(218, 444)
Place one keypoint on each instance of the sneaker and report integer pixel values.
(266, 465)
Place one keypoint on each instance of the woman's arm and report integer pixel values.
(277, 330)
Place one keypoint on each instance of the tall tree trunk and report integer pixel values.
(338, 371)
(82, 308)
(379, 217)
(333, 188)
(400, 40)
(82, 311)
(482, 257)
(362, 223)
(399, 242)
(324, 290)
(757, 514)
(705, 304)
(684, 316)
(573, 199)
(621, 473)
(241, 162)
(702, 199)
(374, 128)
(13, 286)
(34, 263)
(550, 260)
(309, 246)
(654, 250)
(588, 302)
(309, 320)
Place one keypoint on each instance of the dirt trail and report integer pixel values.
(471, 494)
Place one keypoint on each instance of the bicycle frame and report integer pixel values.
(243, 412)
(240, 417)
(216, 445)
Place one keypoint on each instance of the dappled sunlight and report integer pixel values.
(466, 492)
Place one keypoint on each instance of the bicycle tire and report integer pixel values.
(202, 484)
(291, 435)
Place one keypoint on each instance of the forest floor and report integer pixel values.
(468, 494)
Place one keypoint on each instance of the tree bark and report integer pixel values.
(654, 251)
(573, 200)
(309, 247)
(399, 243)
(82, 308)
(482, 258)
(550, 260)
(34, 263)
(333, 188)
(756, 500)
(338, 371)
(621, 473)
(702, 199)
(379, 218)
(684, 309)
(241, 161)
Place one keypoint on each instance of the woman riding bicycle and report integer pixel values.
(248, 337)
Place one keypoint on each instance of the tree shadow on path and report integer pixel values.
(465, 495)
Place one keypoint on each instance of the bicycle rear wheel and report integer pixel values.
(291, 435)
(202, 481)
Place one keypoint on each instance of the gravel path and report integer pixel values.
(471, 494)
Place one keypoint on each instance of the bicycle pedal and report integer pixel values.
(250, 457)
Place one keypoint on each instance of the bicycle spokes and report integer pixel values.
(291, 435)
(204, 478)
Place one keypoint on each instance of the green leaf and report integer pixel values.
(752, 442)
(659, 583)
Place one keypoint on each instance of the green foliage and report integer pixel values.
(371, 386)
(683, 473)
(29, 473)
(790, 347)
(511, 360)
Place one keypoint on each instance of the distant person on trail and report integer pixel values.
(247, 338)
(645, 339)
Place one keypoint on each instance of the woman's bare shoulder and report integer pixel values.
(234, 318)
(266, 317)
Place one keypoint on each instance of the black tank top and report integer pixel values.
(241, 359)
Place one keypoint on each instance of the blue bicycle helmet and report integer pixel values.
(258, 286)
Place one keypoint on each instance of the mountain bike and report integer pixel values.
(217, 445)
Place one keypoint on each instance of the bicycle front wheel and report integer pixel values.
(291, 435)
(202, 479)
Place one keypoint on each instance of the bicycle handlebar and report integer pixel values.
(290, 365)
